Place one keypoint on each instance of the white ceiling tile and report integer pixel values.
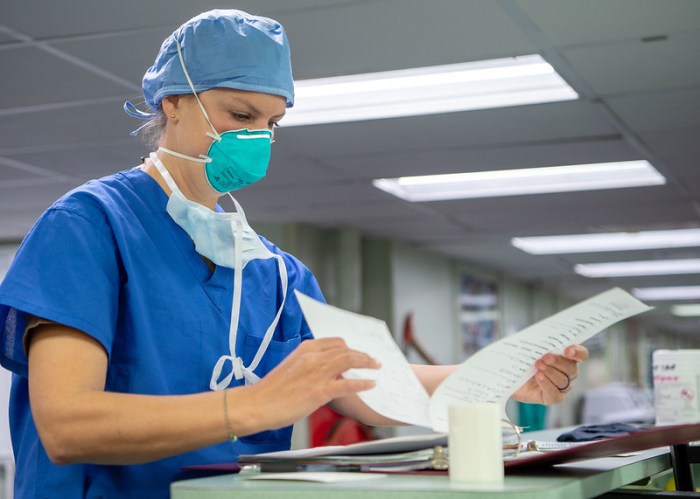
(364, 37)
(680, 151)
(516, 125)
(625, 67)
(6, 38)
(288, 169)
(49, 19)
(676, 145)
(457, 160)
(566, 22)
(673, 110)
(571, 212)
(87, 162)
(31, 76)
(8, 173)
(107, 51)
(91, 124)
(303, 194)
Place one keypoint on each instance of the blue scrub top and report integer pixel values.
(108, 260)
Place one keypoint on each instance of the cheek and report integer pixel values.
(194, 140)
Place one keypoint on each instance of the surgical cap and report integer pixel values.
(221, 49)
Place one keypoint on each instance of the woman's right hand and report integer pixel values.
(307, 379)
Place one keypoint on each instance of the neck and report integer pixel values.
(186, 175)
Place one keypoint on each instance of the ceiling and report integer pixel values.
(68, 66)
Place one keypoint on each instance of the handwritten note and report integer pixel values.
(490, 375)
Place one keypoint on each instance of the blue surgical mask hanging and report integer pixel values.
(227, 240)
(235, 158)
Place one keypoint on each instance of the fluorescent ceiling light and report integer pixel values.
(613, 241)
(512, 81)
(668, 293)
(642, 267)
(522, 181)
(690, 310)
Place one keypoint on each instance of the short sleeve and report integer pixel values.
(309, 286)
(301, 278)
(65, 271)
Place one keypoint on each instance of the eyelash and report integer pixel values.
(246, 117)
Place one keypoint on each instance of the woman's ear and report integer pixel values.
(171, 105)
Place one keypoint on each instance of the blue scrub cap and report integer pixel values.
(221, 49)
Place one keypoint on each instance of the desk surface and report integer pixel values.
(577, 480)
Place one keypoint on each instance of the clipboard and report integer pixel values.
(642, 440)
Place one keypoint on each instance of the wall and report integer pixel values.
(424, 285)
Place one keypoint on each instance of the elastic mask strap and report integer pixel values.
(271, 330)
(238, 369)
(237, 283)
(239, 208)
(216, 135)
(164, 172)
(201, 159)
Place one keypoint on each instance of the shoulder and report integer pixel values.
(299, 274)
(289, 259)
(98, 192)
(100, 200)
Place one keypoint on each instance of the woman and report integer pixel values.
(147, 329)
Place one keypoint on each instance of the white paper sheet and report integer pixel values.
(493, 373)
(398, 395)
(490, 375)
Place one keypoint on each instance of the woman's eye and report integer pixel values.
(241, 116)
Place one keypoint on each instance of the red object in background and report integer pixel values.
(409, 341)
(331, 428)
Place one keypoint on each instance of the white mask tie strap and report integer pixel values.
(216, 135)
(201, 159)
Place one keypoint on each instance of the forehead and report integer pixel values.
(264, 103)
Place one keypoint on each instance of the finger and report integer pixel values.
(560, 380)
(342, 387)
(576, 352)
(567, 366)
(321, 344)
(341, 360)
(337, 346)
(550, 392)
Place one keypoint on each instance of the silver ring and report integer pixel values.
(567, 385)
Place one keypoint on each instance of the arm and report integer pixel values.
(352, 406)
(542, 388)
(79, 422)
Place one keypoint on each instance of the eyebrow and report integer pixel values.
(252, 108)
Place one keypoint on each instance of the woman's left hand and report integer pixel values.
(554, 376)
